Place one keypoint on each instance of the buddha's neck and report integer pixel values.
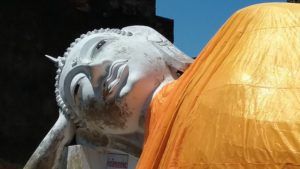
(167, 80)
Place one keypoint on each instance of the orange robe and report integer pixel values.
(238, 105)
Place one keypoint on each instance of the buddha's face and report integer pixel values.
(109, 79)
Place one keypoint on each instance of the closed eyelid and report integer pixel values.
(100, 44)
(103, 42)
(97, 47)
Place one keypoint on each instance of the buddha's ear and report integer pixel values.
(172, 56)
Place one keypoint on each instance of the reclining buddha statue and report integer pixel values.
(104, 84)
(236, 106)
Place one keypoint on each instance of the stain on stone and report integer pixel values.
(109, 114)
(91, 137)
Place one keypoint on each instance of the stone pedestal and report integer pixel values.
(82, 157)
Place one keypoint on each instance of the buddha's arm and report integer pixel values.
(50, 151)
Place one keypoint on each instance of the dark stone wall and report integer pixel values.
(28, 30)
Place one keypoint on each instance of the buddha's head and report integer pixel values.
(107, 77)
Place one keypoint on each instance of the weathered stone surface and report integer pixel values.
(78, 158)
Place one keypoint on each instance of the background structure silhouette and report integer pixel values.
(29, 30)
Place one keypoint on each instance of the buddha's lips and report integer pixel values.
(117, 74)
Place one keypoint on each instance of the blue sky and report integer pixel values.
(196, 21)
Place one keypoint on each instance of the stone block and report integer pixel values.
(82, 157)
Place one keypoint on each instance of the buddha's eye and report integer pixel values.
(100, 44)
(76, 89)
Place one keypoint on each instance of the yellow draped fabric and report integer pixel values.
(238, 105)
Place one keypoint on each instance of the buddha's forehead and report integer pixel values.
(84, 48)
(113, 46)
